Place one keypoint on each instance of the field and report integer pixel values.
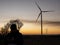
(39, 40)
(42, 40)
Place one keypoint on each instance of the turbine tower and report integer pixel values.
(40, 14)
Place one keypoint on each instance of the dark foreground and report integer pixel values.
(42, 40)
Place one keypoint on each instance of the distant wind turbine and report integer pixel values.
(41, 16)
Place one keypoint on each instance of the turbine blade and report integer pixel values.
(38, 6)
(47, 11)
(38, 17)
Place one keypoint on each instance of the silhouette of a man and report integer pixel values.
(14, 37)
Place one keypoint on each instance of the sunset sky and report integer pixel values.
(28, 11)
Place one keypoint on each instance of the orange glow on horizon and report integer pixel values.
(30, 28)
(34, 29)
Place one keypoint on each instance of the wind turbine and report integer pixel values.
(40, 14)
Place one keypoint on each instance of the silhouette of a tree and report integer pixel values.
(7, 26)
